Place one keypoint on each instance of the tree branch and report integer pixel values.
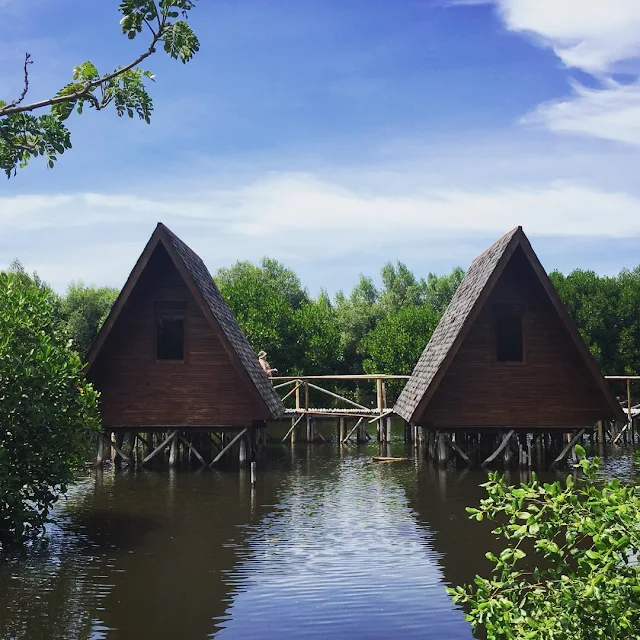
(83, 93)
(17, 101)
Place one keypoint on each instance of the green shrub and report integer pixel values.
(583, 538)
(48, 412)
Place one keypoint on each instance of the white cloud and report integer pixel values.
(592, 35)
(612, 113)
(280, 203)
(300, 218)
(597, 37)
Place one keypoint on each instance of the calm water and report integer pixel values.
(328, 544)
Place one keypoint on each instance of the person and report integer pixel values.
(262, 359)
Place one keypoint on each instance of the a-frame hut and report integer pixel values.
(171, 355)
(506, 354)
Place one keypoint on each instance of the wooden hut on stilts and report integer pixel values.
(506, 373)
(174, 369)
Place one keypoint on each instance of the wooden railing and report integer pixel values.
(300, 387)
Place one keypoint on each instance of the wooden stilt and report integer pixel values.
(569, 445)
(242, 451)
(341, 429)
(498, 451)
(292, 431)
(408, 432)
(227, 447)
(356, 426)
(449, 441)
(117, 440)
(380, 406)
(100, 450)
(193, 450)
(441, 448)
(362, 434)
(119, 454)
(161, 447)
(173, 451)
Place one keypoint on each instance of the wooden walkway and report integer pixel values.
(297, 391)
(307, 400)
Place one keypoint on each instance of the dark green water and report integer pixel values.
(328, 544)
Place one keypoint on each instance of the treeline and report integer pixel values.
(375, 328)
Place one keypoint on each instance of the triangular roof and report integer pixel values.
(463, 310)
(210, 300)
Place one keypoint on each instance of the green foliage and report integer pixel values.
(394, 345)
(605, 310)
(570, 569)
(371, 329)
(47, 411)
(319, 333)
(83, 310)
(357, 315)
(440, 289)
(24, 136)
(265, 300)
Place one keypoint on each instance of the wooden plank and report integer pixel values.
(455, 447)
(334, 395)
(292, 391)
(160, 447)
(119, 451)
(498, 451)
(570, 444)
(293, 426)
(193, 450)
(383, 415)
(354, 428)
(219, 456)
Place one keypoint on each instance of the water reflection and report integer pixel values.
(341, 557)
(327, 544)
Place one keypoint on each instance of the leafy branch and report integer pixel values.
(585, 534)
(24, 135)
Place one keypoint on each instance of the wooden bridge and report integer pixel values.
(353, 420)
(297, 391)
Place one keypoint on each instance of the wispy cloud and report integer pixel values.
(597, 38)
(300, 217)
(612, 113)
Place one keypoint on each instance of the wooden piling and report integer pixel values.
(342, 429)
(100, 450)
(242, 451)
(380, 407)
(173, 452)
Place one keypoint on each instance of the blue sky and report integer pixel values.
(335, 136)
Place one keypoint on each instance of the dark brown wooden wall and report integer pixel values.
(552, 389)
(137, 390)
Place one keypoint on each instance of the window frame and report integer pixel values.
(508, 309)
(176, 308)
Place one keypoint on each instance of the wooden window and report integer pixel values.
(170, 331)
(508, 323)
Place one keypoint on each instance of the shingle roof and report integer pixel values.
(213, 301)
(450, 326)
(228, 323)
(469, 297)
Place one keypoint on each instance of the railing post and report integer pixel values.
(629, 406)
(294, 430)
(386, 421)
(379, 398)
